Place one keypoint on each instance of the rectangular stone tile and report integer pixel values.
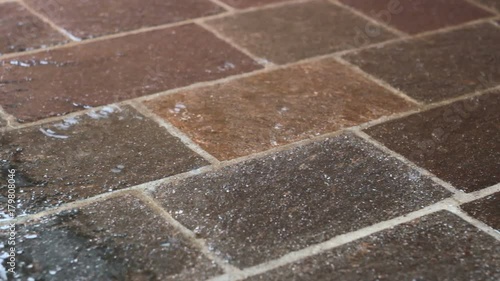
(486, 209)
(93, 18)
(103, 72)
(20, 30)
(418, 16)
(436, 247)
(262, 111)
(250, 3)
(117, 239)
(298, 31)
(458, 142)
(264, 208)
(83, 156)
(437, 67)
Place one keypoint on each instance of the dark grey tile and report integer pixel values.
(264, 208)
(118, 239)
(436, 247)
(486, 209)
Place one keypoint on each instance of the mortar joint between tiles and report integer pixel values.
(475, 222)
(409, 163)
(144, 110)
(354, 11)
(223, 5)
(56, 27)
(186, 232)
(482, 6)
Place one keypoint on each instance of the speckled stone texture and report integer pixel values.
(458, 142)
(418, 16)
(264, 208)
(92, 18)
(110, 240)
(439, 246)
(486, 209)
(21, 31)
(266, 110)
(437, 67)
(104, 72)
(84, 156)
(290, 33)
(250, 3)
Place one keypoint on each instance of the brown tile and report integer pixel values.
(417, 16)
(21, 31)
(98, 73)
(118, 239)
(486, 210)
(457, 142)
(290, 33)
(250, 3)
(93, 18)
(440, 66)
(264, 208)
(436, 247)
(83, 156)
(256, 113)
(495, 4)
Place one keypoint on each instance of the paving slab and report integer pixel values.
(486, 209)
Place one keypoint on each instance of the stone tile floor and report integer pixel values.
(250, 140)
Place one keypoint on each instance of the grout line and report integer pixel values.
(146, 29)
(262, 61)
(149, 186)
(223, 5)
(10, 119)
(409, 163)
(422, 35)
(61, 30)
(378, 81)
(187, 233)
(368, 18)
(144, 110)
(482, 6)
(338, 241)
(475, 222)
(476, 195)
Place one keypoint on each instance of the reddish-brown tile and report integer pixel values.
(258, 112)
(64, 80)
(21, 31)
(417, 16)
(439, 246)
(117, 239)
(290, 33)
(250, 3)
(486, 209)
(458, 142)
(79, 157)
(92, 18)
(264, 208)
(440, 66)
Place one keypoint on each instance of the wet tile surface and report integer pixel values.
(256, 113)
(290, 33)
(436, 247)
(92, 18)
(110, 240)
(435, 68)
(250, 3)
(99, 73)
(84, 156)
(457, 142)
(21, 31)
(261, 209)
(419, 16)
(486, 209)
